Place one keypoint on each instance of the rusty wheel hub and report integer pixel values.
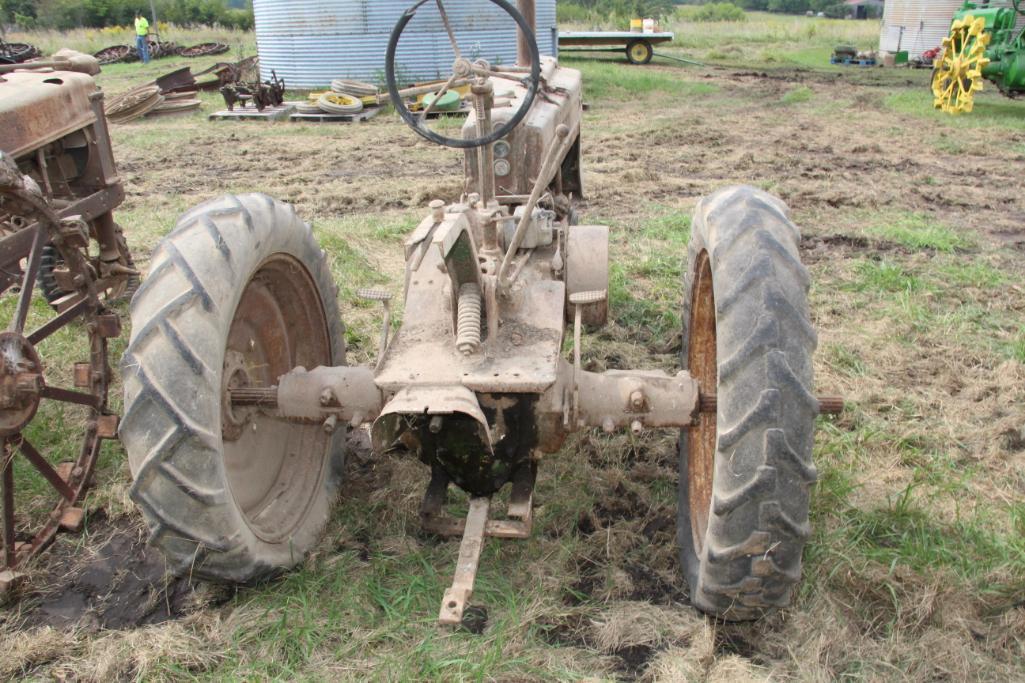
(21, 382)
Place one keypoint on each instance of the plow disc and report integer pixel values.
(53, 413)
(958, 73)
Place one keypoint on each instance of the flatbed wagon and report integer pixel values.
(638, 47)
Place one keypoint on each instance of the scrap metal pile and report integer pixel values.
(149, 100)
(126, 53)
(16, 53)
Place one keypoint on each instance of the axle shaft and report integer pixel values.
(828, 405)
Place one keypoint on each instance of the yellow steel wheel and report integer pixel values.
(958, 73)
(337, 103)
(639, 52)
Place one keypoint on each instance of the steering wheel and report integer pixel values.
(463, 72)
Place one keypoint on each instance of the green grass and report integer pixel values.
(615, 81)
(992, 110)
(918, 231)
(798, 95)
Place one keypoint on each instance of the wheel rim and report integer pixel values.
(702, 363)
(274, 467)
(639, 52)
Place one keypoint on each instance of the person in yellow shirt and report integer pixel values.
(141, 35)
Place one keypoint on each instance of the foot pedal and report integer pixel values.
(579, 300)
(384, 296)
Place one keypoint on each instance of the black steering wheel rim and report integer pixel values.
(461, 143)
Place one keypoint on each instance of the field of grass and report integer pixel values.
(913, 233)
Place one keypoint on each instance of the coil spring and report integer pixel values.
(468, 319)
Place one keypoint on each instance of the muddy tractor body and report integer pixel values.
(983, 45)
(237, 396)
(58, 189)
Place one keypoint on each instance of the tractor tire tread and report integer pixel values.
(758, 523)
(181, 491)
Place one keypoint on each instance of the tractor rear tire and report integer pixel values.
(237, 295)
(746, 469)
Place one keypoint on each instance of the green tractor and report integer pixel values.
(983, 44)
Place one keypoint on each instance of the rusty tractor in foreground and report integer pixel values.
(58, 190)
(237, 396)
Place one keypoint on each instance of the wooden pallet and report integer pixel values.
(847, 61)
(365, 115)
(279, 113)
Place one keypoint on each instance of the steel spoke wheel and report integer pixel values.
(958, 72)
(53, 412)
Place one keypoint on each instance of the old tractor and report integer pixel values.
(983, 45)
(238, 399)
(58, 190)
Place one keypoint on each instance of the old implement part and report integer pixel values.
(17, 53)
(456, 597)
(519, 515)
(474, 529)
(46, 495)
(203, 50)
(134, 104)
(114, 54)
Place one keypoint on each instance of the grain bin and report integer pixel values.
(311, 42)
(920, 25)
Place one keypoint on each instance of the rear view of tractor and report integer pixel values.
(238, 398)
(58, 189)
(983, 45)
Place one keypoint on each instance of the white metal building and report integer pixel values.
(919, 25)
(311, 42)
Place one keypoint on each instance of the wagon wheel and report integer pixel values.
(46, 470)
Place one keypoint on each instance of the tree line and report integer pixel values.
(67, 14)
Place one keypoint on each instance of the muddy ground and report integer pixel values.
(598, 592)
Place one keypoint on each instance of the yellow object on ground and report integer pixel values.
(958, 72)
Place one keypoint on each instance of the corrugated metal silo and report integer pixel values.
(916, 25)
(919, 25)
(311, 42)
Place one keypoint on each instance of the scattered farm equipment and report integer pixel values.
(237, 396)
(983, 44)
(58, 190)
(16, 53)
(269, 93)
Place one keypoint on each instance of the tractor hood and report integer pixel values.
(39, 107)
